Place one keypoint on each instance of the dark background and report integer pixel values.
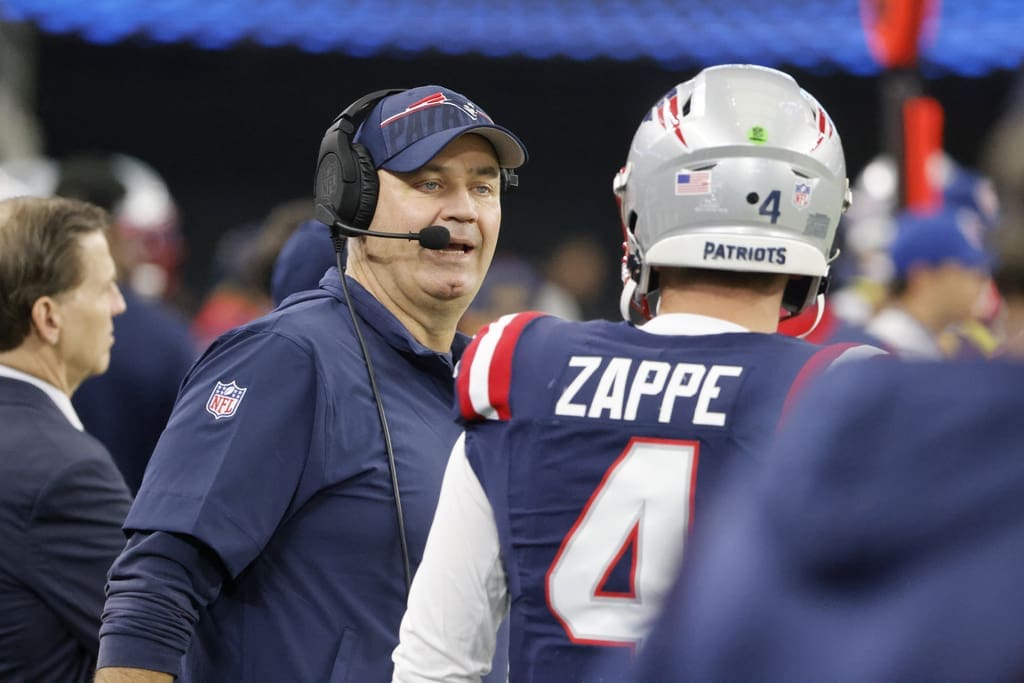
(235, 132)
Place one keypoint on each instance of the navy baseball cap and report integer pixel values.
(950, 234)
(406, 130)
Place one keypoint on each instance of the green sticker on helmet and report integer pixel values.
(757, 135)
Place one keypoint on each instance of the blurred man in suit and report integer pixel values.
(62, 499)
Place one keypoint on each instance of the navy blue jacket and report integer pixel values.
(270, 491)
(62, 503)
(127, 407)
(883, 542)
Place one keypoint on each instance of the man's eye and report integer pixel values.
(484, 189)
(430, 185)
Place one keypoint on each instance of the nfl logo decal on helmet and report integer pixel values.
(225, 399)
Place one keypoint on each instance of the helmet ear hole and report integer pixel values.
(634, 260)
(801, 292)
(797, 294)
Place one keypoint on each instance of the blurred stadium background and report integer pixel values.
(228, 99)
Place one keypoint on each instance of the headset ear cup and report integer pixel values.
(328, 184)
(509, 180)
(345, 185)
(364, 196)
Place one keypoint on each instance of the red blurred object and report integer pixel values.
(894, 29)
(225, 309)
(800, 325)
(923, 120)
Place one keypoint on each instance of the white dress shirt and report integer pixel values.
(56, 395)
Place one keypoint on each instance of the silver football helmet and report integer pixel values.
(736, 169)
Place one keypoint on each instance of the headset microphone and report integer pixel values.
(431, 237)
(434, 237)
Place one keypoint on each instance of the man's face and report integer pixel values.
(87, 312)
(458, 189)
(957, 289)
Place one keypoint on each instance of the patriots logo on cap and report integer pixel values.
(225, 399)
(436, 100)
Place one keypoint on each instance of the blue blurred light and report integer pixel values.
(972, 38)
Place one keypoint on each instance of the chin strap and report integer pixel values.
(626, 300)
(634, 309)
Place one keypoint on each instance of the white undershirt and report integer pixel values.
(56, 395)
(689, 324)
(460, 592)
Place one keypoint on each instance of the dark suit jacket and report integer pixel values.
(62, 503)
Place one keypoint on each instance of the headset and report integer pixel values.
(346, 184)
(345, 195)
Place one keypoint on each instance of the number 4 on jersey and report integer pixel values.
(641, 509)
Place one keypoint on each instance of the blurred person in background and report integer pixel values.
(62, 500)
(1002, 149)
(512, 285)
(589, 448)
(885, 542)
(247, 256)
(147, 224)
(287, 503)
(303, 261)
(940, 270)
(574, 278)
(863, 272)
(152, 245)
(127, 407)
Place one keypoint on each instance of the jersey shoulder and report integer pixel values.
(517, 347)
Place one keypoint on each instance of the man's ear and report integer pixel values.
(46, 319)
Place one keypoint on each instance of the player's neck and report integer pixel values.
(756, 312)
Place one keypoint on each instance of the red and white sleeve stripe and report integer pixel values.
(485, 372)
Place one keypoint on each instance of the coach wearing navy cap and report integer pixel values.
(289, 498)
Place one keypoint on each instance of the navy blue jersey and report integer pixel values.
(885, 542)
(274, 462)
(597, 444)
